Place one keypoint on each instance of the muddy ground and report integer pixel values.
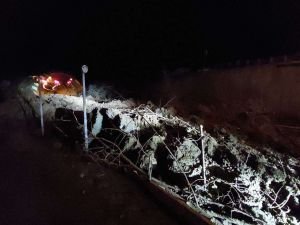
(44, 182)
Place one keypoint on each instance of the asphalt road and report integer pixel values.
(43, 182)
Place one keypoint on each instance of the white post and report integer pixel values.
(203, 154)
(84, 69)
(150, 168)
(41, 107)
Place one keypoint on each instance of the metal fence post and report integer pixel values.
(41, 107)
(84, 69)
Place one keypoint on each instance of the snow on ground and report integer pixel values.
(245, 185)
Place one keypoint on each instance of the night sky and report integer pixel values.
(137, 39)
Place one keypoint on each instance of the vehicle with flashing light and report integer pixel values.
(56, 83)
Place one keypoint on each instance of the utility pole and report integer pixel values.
(84, 69)
(41, 106)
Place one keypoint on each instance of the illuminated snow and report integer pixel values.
(251, 179)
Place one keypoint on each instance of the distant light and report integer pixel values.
(34, 87)
(69, 81)
(56, 82)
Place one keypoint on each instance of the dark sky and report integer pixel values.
(136, 38)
